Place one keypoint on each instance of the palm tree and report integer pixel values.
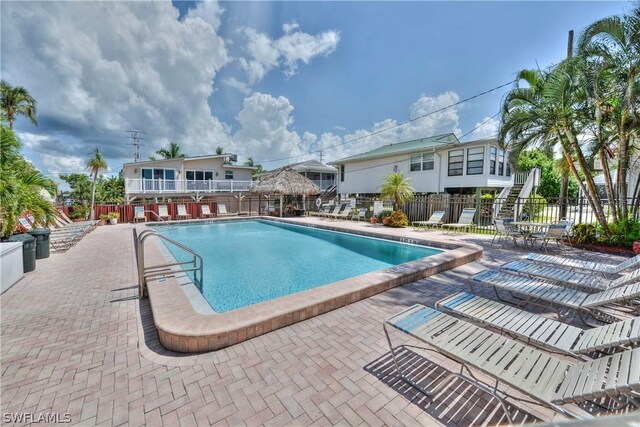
(171, 152)
(21, 186)
(258, 168)
(396, 187)
(614, 43)
(16, 101)
(544, 112)
(95, 164)
(219, 150)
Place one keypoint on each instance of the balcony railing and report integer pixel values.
(324, 183)
(158, 186)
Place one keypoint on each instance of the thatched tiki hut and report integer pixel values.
(286, 182)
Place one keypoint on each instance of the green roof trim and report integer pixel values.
(403, 147)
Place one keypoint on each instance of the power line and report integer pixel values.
(481, 124)
(399, 124)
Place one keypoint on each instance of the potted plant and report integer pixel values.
(374, 220)
(396, 187)
(113, 217)
(103, 219)
(383, 217)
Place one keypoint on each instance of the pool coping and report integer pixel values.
(182, 329)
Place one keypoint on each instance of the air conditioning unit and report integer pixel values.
(233, 157)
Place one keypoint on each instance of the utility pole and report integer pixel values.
(134, 135)
(320, 156)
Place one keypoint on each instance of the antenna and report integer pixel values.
(320, 156)
(135, 138)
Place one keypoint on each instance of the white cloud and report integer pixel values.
(486, 128)
(98, 69)
(289, 51)
(442, 122)
(264, 128)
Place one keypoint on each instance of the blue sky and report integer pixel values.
(268, 80)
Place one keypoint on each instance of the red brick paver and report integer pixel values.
(77, 341)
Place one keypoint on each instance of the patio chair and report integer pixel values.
(435, 220)
(553, 232)
(577, 264)
(544, 293)
(222, 210)
(138, 214)
(568, 225)
(568, 277)
(182, 212)
(542, 331)
(505, 230)
(55, 232)
(163, 212)
(360, 215)
(465, 222)
(206, 212)
(551, 381)
(58, 240)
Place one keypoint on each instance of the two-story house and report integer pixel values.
(437, 164)
(197, 177)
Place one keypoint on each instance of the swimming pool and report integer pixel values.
(247, 262)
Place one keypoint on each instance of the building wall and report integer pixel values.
(364, 177)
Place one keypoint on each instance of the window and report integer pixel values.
(492, 160)
(341, 173)
(456, 159)
(228, 174)
(159, 179)
(422, 162)
(199, 175)
(501, 163)
(475, 161)
(508, 172)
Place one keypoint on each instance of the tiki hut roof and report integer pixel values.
(287, 182)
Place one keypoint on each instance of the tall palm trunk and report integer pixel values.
(592, 194)
(93, 196)
(608, 183)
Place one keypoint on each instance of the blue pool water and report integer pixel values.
(246, 262)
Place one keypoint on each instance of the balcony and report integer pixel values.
(324, 183)
(137, 186)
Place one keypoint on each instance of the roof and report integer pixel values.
(186, 159)
(407, 147)
(312, 165)
(286, 181)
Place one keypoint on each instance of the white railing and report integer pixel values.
(155, 186)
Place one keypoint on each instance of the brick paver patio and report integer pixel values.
(78, 344)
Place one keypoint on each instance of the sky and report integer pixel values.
(280, 82)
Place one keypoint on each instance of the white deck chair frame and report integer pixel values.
(435, 220)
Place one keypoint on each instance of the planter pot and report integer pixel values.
(374, 220)
(101, 222)
(385, 221)
(636, 248)
(113, 221)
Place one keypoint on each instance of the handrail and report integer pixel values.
(153, 212)
(145, 273)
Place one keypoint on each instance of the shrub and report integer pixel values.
(397, 219)
(384, 214)
(113, 215)
(623, 233)
(584, 234)
(103, 217)
(79, 212)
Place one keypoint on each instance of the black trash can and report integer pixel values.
(42, 242)
(28, 250)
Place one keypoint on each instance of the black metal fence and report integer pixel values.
(533, 209)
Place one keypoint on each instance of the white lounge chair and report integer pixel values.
(68, 220)
(341, 215)
(335, 211)
(550, 380)
(163, 212)
(138, 214)
(571, 263)
(206, 212)
(465, 222)
(435, 220)
(542, 292)
(58, 241)
(222, 210)
(540, 330)
(182, 212)
(559, 275)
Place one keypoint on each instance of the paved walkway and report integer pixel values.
(78, 344)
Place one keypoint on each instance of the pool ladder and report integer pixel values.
(166, 270)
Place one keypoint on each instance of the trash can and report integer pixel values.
(28, 250)
(42, 242)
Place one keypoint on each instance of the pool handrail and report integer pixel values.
(145, 273)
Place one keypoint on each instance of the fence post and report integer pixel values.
(580, 214)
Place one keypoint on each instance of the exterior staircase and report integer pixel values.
(329, 193)
(506, 211)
